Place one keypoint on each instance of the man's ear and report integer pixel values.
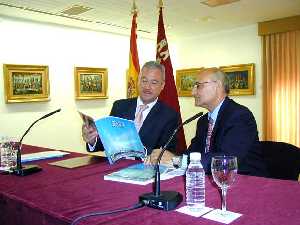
(163, 85)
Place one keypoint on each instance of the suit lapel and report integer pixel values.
(202, 127)
(129, 113)
(150, 117)
(220, 118)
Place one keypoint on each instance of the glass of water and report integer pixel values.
(224, 170)
(8, 153)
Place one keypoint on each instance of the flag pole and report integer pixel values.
(134, 8)
(160, 4)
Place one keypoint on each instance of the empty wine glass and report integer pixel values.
(224, 169)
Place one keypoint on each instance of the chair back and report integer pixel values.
(282, 159)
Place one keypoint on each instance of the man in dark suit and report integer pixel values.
(233, 126)
(157, 121)
(227, 129)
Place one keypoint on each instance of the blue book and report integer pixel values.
(119, 137)
(136, 174)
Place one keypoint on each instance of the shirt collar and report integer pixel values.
(150, 105)
(214, 113)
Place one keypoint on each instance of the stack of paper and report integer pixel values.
(42, 155)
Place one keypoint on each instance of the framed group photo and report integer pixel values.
(90, 83)
(241, 78)
(26, 83)
(185, 81)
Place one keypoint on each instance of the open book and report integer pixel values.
(119, 137)
(143, 174)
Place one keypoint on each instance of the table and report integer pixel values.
(58, 196)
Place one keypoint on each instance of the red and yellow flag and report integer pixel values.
(169, 94)
(134, 67)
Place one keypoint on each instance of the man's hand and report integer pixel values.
(89, 134)
(166, 158)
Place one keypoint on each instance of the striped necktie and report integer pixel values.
(209, 133)
(138, 121)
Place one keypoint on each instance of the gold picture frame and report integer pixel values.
(185, 80)
(90, 83)
(241, 78)
(26, 83)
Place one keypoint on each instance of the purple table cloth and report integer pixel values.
(58, 196)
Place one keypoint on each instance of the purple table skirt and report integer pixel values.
(58, 196)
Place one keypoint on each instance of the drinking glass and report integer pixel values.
(8, 153)
(224, 170)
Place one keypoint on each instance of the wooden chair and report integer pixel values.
(282, 160)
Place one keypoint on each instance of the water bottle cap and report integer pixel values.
(195, 156)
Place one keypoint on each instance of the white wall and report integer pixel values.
(239, 46)
(63, 48)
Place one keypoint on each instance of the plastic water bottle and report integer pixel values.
(195, 183)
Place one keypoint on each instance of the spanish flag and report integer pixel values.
(134, 67)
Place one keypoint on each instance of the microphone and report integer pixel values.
(165, 200)
(29, 169)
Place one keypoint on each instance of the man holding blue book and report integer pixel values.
(154, 120)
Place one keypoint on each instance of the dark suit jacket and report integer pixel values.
(235, 133)
(157, 127)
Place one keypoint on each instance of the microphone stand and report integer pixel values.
(165, 200)
(28, 169)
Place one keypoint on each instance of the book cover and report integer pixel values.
(136, 174)
(119, 137)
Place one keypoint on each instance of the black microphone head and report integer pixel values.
(50, 114)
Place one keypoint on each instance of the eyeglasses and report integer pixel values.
(200, 85)
(152, 83)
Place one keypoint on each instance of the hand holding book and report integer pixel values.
(89, 130)
(118, 136)
(89, 133)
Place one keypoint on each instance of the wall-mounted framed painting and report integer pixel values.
(185, 80)
(90, 83)
(26, 83)
(241, 78)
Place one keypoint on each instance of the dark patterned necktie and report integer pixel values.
(209, 133)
